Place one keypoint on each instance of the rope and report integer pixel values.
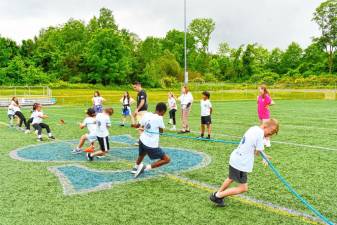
(271, 166)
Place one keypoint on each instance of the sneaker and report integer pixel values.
(76, 151)
(216, 200)
(27, 131)
(39, 139)
(52, 137)
(134, 170)
(187, 131)
(140, 170)
(121, 125)
(89, 157)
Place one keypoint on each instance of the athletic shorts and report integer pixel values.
(126, 111)
(206, 120)
(91, 138)
(153, 153)
(237, 175)
(104, 143)
(140, 115)
(98, 108)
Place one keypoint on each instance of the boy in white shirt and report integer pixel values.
(151, 124)
(206, 111)
(38, 124)
(102, 125)
(91, 136)
(242, 160)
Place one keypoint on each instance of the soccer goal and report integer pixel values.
(27, 95)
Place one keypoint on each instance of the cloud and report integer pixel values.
(272, 23)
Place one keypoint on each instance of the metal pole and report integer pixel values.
(185, 47)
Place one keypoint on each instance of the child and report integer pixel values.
(97, 100)
(263, 103)
(90, 123)
(126, 111)
(102, 125)
(30, 121)
(151, 124)
(206, 111)
(242, 160)
(38, 124)
(17, 112)
(173, 109)
(10, 113)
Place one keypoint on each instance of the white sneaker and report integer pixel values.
(140, 170)
(76, 151)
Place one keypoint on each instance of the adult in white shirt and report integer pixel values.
(186, 100)
(97, 102)
(242, 160)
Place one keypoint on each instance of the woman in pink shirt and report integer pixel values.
(263, 102)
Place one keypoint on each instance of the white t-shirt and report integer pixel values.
(172, 103)
(103, 123)
(98, 100)
(205, 106)
(11, 110)
(186, 98)
(90, 123)
(151, 123)
(242, 158)
(37, 117)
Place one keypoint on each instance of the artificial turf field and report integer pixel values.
(305, 152)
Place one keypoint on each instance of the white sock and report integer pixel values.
(39, 136)
(148, 167)
(217, 195)
(49, 135)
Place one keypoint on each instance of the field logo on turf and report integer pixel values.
(76, 177)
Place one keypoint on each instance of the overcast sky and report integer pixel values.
(272, 23)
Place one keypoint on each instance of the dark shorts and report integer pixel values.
(126, 112)
(153, 153)
(206, 120)
(103, 143)
(237, 175)
(98, 108)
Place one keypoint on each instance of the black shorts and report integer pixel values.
(104, 143)
(237, 175)
(206, 120)
(153, 153)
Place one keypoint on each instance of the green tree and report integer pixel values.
(8, 50)
(202, 29)
(326, 18)
(291, 59)
(274, 61)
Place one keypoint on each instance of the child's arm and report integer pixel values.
(211, 110)
(43, 116)
(82, 125)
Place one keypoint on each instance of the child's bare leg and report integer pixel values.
(202, 129)
(225, 184)
(241, 188)
(164, 160)
(140, 158)
(98, 153)
(209, 129)
(82, 141)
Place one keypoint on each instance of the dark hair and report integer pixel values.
(109, 111)
(161, 107)
(137, 83)
(207, 94)
(91, 112)
(35, 106)
(265, 90)
(97, 92)
(127, 97)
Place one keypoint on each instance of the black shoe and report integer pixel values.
(52, 137)
(89, 157)
(121, 125)
(216, 200)
(187, 131)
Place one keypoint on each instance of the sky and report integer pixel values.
(271, 23)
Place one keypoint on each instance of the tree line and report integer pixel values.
(100, 52)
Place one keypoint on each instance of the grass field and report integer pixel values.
(305, 152)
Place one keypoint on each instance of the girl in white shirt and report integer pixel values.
(17, 112)
(97, 101)
(172, 104)
(186, 100)
(126, 101)
(38, 124)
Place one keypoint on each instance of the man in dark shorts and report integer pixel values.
(242, 160)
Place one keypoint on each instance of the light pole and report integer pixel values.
(185, 47)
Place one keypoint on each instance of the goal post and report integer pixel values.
(27, 95)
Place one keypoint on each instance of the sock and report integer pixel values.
(148, 167)
(39, 136)
(49, 135)
(217, 195)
